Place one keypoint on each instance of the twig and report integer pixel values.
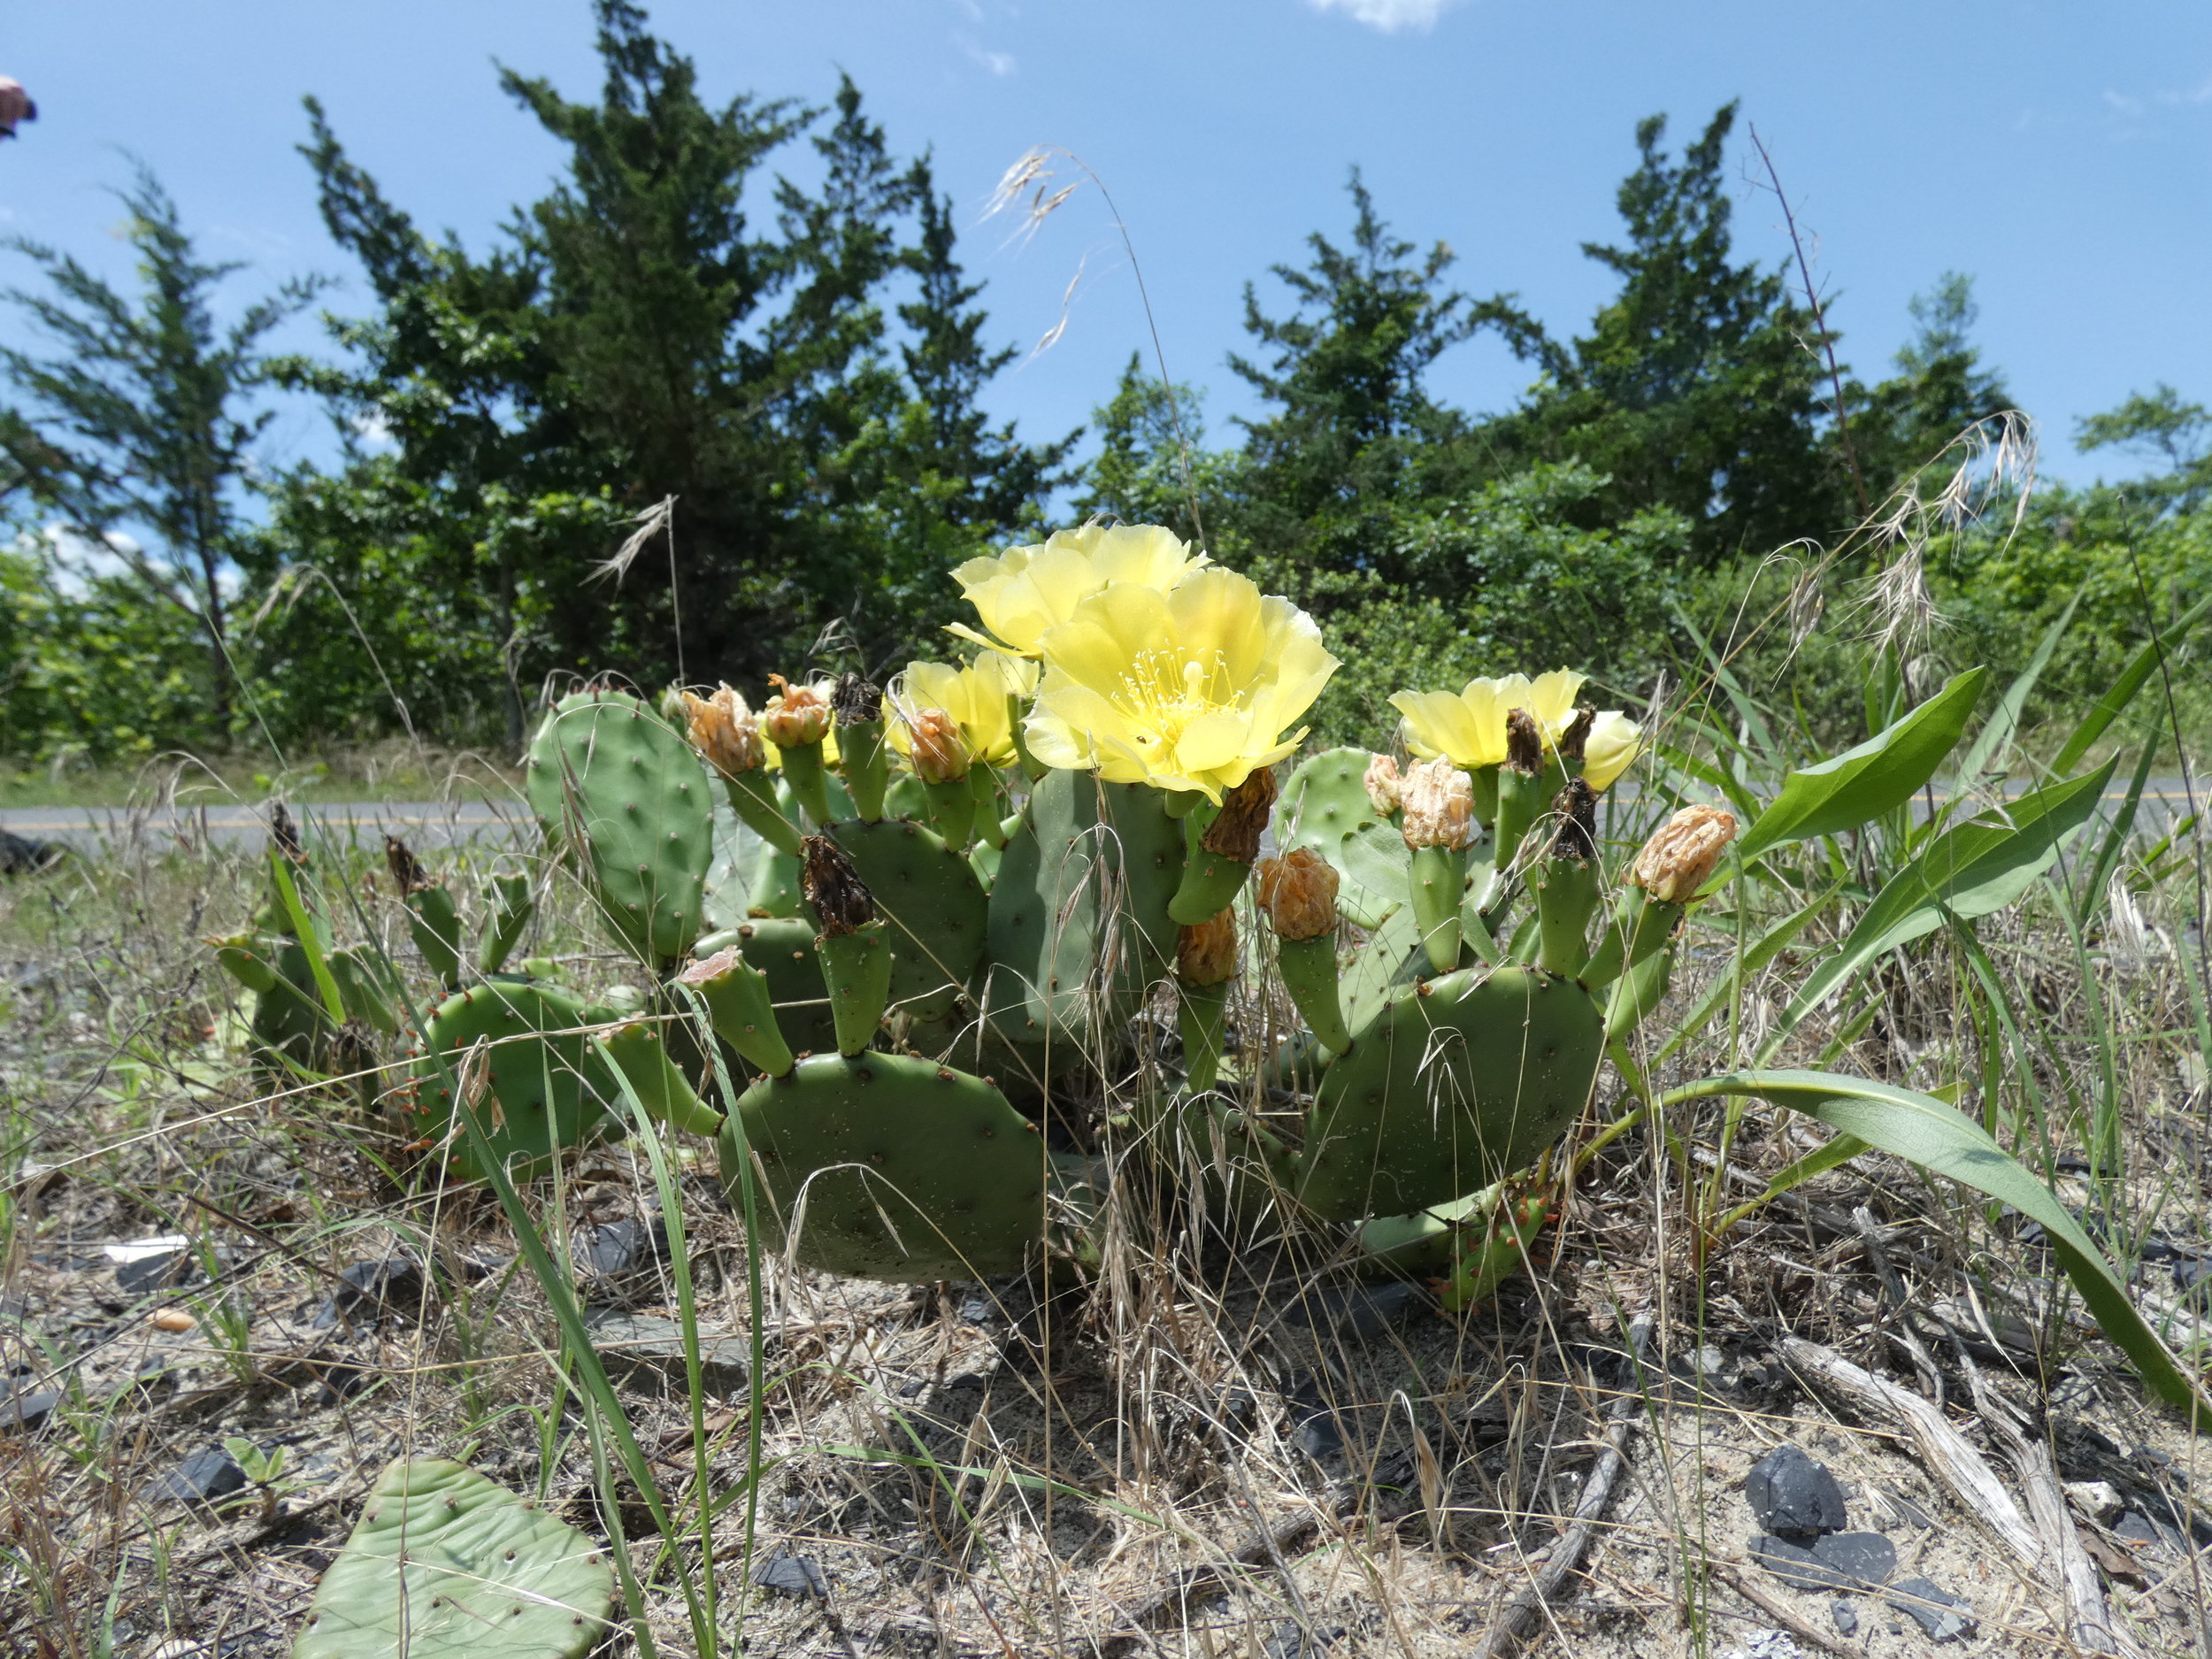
(1519, 1617)
(1780, 1611)
(1907, 1337)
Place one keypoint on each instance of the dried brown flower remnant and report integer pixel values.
(724, 731)
(1681, 857)
(1576, 810)
(1236, 833)
(938, 748)
(796, 714)
(1440, 805)
(1524, 742)
(286, 834)
(1298, 894)
(1385, 787)
(407, 871)
(856, 700)
(1576, 733)
(1206, 952)
(833, 890)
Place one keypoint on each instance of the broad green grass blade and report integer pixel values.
(1923, 1129)
(2003, 724)
(1879, 776)
(1971, 868)
(310, 941)
(2140, 667)
(2115, 840)
(1840, 1151)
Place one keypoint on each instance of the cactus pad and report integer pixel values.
(549, 1086)
(1325, 801)
(782, 947)
(445, 1562)
(929, 893)
(628, 798)
(918, 1171)
(1456, 1083)
(1095, 864)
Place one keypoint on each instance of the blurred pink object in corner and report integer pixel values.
(15, 105)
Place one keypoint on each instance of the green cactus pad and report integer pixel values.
(435, 924)
(1458, 1082)
(929, 893)
(955, 1172)
(514, 904)
(782, 947)
(551, 1090)
(288, 1018)
(444, 1563)
(1325, 801)
(628, 798)
(1084, 846)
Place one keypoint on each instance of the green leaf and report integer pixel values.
(310, 941)
(1998, 732)
(1971, 870)
(1925, 1131)
(2109, 707)
(1862, 783)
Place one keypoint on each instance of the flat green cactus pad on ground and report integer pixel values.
(445, 1562)
(910, 1171)
(621, 789)
(929, 894)
(1456, 1083)
(550, 1086)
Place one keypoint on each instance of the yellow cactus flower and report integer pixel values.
(1614, 742)
(1027, 589)
(974, 694)
(1469, 728)
(1186, 689)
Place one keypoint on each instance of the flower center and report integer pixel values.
(1163, 691)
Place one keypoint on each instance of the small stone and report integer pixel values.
(791, 1575)
(1313, 1423)
(1943, 1616)
(977, 1310)
(1867, 1557)
(636, 1342)
(27, 1411)
(2099, 1499)
(200, 1479)
(1845, 1614)
(171, 1319)
(393, 1285)
(620, 1249)
(2132, 1528)
(161, 1271)
(2191, 1274)
(1793, 1495)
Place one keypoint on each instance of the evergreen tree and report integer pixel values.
(1941, 388)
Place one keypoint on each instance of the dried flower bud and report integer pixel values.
(1206, 953)
(1524, 742)
(1236, 833)
(833, 890)
(938, 748)
(1576, 810)
(1384, 785)
(1440, 805)
(1682, 856)
(407, 871)
(724, 731)
(856, 700)
(1298, 894)
(285, 835)
(1577, 732)
(795, 716)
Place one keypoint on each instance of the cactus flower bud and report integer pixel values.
(1682, 856)
(1385, 787)
(937, 746)
(833, 888)
(1235, 834)
(1577, 734)
(724, 731)
(1440, 805)
(407, 872)
(855, 701)
(796, 714)
(1524, 742)
(1298, 894)
(1206, 952)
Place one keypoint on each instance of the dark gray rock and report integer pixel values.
(1944, 1616)
(631, 1343)
(791, 1575)
(2136, 1529)
(977, 1311)
(1845, 1612)
(1841, 1560)
(1793, 1497)
(1363, 1311)
(366, 1290)
(616, 1249)
(1313, 1423)
(24, 1412)
(150, 1273)
(200, 1479)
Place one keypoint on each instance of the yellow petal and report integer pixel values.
(1614, 743)
(1552, 700)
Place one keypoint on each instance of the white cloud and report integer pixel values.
(1389, 16)
(1000, 63)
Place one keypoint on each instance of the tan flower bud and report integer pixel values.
(724, 731)
(1206, 953)
(939, 751)
(1384, 786)
(1440, 805)
(1682, 856)
(1298, 894)
(707, 970)
(1236, 832)
(795, 716)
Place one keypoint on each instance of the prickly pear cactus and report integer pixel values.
(936, 908)
(782, 947)
(625, 796)
(1078, 924)
(1457, 1082)
(547, 1088)
(1324, 802)
(890, 1167)
(444, 1563)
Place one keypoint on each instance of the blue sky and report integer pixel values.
(2059, 154)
